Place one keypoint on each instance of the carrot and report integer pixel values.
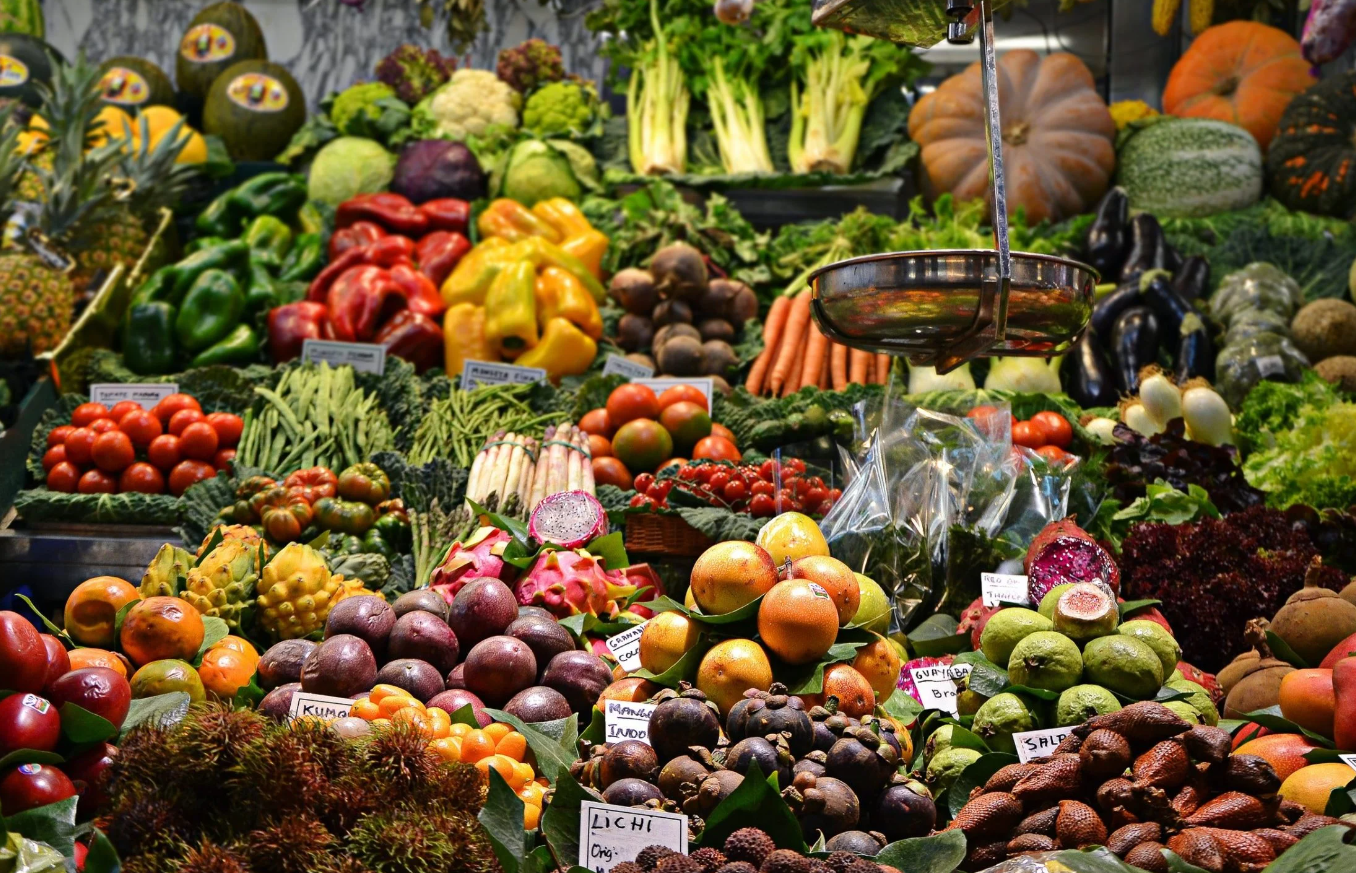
(792, 347)
(772, 335)
(776, 320)
(838, 365)
(758, 372)
(882, 368)
(824, 372)
(793, 384)
(816, 355)
(859, 370)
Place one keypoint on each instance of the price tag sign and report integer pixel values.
(609, 835)
(363, 357)
(147, 394)
(937, 685)
(625, 647)
(999, 588)
(474, 373)
(305, 704)
(618, 366)
(1038, 744)
(659, 386)
(628, 721)
(1349, 759)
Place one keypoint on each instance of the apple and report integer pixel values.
(88, 771)
(29, 786)
(28, 721)
(58, 662)
(23, 657)
(100, 690)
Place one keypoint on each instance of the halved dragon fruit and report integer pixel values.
(906, 673)
(569, 582)
(1064, 552)
(480, 555)
(973, 619)
(568, 519)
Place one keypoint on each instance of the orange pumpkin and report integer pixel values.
(1241, 72)
(1058, 136)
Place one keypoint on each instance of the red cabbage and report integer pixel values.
(433, 168)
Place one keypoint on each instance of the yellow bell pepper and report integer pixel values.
(513, 221)
(464, 337)
(511, 310)
(589, 247)
(471, 277)
(564, 350)
(578, 237)
(560, 294)
(543, 253)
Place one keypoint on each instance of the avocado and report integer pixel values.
(255, 107)
(130, 83)
(220, 35)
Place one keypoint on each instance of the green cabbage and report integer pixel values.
(349, 166)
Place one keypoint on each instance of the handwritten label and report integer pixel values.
(625, 647)
(147, 394)
(475, 373)
(1349, 759)
(659, 386)
(1038, 744)
(999, 588)
(937, 685)
(1270, 365)
(363, 357)
(308, 705)
(618, 366)
(609, 835)
(628, 721)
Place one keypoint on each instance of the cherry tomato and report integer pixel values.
(1053, 453)
(186, 473)
(763, 487)
(785, 498)
(704, 473)
(113, 452)
(53, 456)
(80, 446)
(1028, 434)
(822, 509)
(716, 449)
(643, 482)
(762, 506)
(1058, 431)
(87, 412)
(164, 451)
(57, 435)
(718, 481)
(223, 458)
(835, 493)
(687, 473)
(97, 482)
(736, 489)
(165, 409)
(814, 496)
(122, 407)
(767, 470)
(142, 477)
(182, 419)
(63, 477)
(228, 427)
(102, 425)
(141, 427)
(795, 465)
(642, 500)
(197, 440)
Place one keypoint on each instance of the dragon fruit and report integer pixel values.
(569, 582)
(648, 585)
(1203, 679)
(480, 555)
(1063, 552)
(569, 519)
(973, 619)
(906, 673)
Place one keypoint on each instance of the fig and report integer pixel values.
(454, 699)
(282, 663)
(100, 690)
(481, 609)
(682, 720)
(904, 810)
(631, 792)
(425, 637)
(682, 770)
(420, 678)
(420, 600)
(367, 617)
(629, 759)
(341, 666)
(277, 703)
(856, 842)
(537, 704)
(544, 636)
(499, 667)
(580, 676)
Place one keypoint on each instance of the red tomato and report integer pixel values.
(57, 435)
(679, 393)
(763, 487)
(640, 501)
(643, 482)
(197, 440)
(165, 409)
(222, 458)
(762, 506)
(721, 430)
(982, 411)
(103, 425)
(164, 451)
(113, 452)
(122, 407)
(97, 482)
(186, 473)
(182, 419)
(1058, 431)
(629, 402)
(736, 489)
(228, 427)
(53, 456)
(717, 481)
(1053, 453)
(63, 477)
(1028, 434)
(87, 412)
(716, 449)
(142, 477)
(141, 427)
(596, 422)
(767, 471)
(80, 446)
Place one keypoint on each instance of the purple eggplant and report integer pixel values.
(1134, 344)
(1149, 249)
(1088, 377)
(1109, 235)
(1156, 290)
(1195, 353)
(1106, 310)
(1192, 279)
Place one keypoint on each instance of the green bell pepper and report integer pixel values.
(277, 194)
(157, 286)
(375, 543)
(315, 217)
(305, 259)
(240, 347)
(232, 257)
(269, 240)
(289, 292)
(261, 291)
(394, 530)
(203, 242)
(148, 338)
(222, 217)
(210, 310)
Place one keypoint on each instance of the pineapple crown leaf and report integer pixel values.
(156, 179)
(11, 162)
(71, 101)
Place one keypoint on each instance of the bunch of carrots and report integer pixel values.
(796, 353)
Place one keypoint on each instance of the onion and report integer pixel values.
(1137, 418)
(1162, 399)
(1102, 429)
(1207, 416)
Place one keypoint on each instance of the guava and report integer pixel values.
(1081, 702)
(1047, 604)
(1152, 634)
(937, 742)
(999, 718)
(946, 767)
(1188, 712)
(1199, 699)
(1125, 665)
(1085, 612)
(1008, 627)
(1046, 659)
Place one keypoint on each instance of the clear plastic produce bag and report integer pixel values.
(1240, 366)
(1251, 322)
(1256, 286)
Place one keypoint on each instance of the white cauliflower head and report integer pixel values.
(469, 104)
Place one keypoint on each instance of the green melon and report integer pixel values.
(130, 83)
(22, 16)
(25, 61)
(219, 36)
(255, 107)
(1189, 167)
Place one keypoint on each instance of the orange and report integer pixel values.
(91, 657)
(512, 745)
(855, 696)
(162, 627)
(879, 662)
(416, 717)
(1306, 698)
(460, 729)
(498, 730)
(834, 577)
(241, 645)
(92, 609)
(392, 703)
(798, 621)
(1284, 752)
(666, 638)
(504, 766)
(365, 709)
(224, 672)
(731, 668)
(447, 748)
(379, 692)
(1310, 786)
(476, 745)
(531, 793)
(730, 575)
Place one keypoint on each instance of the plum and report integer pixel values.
(29, 786)
(544, 636)
(28, 721)
(421, 600)
(98, 689)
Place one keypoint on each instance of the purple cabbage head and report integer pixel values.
(432, 168)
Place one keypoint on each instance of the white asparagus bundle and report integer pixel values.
(523, 481)
(575, 476)
(480, 469)
(587, 483)
(513, 471)
(542, 469)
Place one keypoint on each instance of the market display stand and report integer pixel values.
(48, 560)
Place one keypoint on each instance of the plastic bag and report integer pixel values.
(1240, 366)
(1256, 286)
(1251, 322)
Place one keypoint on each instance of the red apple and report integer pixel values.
(100, 690)
(88, 771)
(29, 786)
(58, 662)
(23, 657)
(28, 721)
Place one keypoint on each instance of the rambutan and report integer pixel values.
(295, 844)
(211, 738)
(398, 756)
(208, 857)
(143, 824)
(288, 769)
(409, 840)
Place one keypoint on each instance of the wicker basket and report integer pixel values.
(652, 533)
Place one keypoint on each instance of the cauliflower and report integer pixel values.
(472, 103)
(533, 63)
(560, 108)
(358, 100)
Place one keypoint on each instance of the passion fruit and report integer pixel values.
(281, 663)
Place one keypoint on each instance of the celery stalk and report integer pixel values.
(829, 105)
(656, 109)
(737, 116)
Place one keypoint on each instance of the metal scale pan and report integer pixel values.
(943, 308)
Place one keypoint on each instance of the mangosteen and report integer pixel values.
(682, 770)
(546, 637)
(282, 663)
(682, 720)
(770, 757)
(781, 714)
(904, 810)
(739, 713)
(631, 792)
(634, 290)
(824, 804)
(580, 676)
(420, 600)
(860, 759)
(629, 759)
(829, 725)
(367, 617)
(634, 332)
(537, 704)
(277, 704)
(812, 764)
(711, 791)
(856, 842)
(419, 678)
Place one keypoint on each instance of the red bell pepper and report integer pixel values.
(389, 251)
(438, 253)
(391, 211)
(447, 213)
(414, 337)
(291, 325)
(359, 234)
(420, 291)
(319, 288)
(361, 300)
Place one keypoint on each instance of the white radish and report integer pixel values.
(1162, 400)
(1207, 416)
(1136, 418)
(1102, 429)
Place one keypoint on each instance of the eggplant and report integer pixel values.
(1088, 377)
(1148, 247)
(1134, 344)
(1195, 353)
(1156, 290)
(1108, 309)
(1192, 279)
(1109, 235)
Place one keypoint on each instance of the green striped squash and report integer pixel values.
(1189, 167)
(22, 16)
